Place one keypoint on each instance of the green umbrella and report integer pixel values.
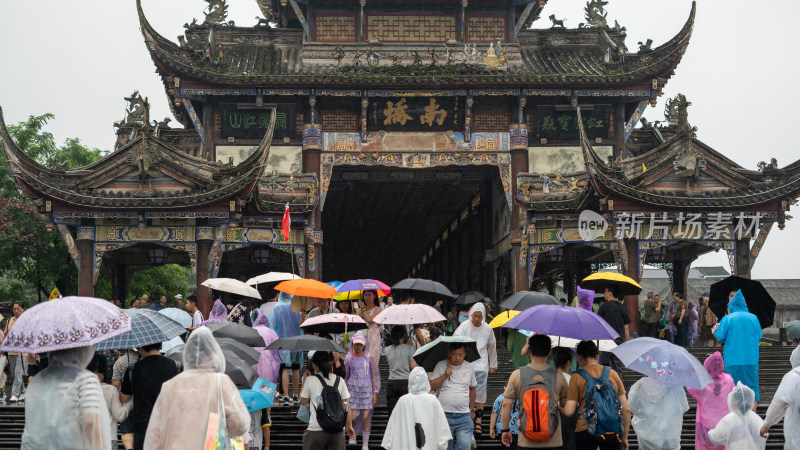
(430, 354)
(793, 328)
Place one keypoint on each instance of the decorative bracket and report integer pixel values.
(637, 114)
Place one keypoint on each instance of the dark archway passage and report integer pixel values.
(388, 223)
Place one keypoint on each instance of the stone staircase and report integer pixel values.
(287, 431)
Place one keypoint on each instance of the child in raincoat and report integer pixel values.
(739, 430)
(658, 410)
(787, 401)
(712, 401)
(364, 382)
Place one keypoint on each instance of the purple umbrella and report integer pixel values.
(667, 363)
(64, 323)
(563, 321)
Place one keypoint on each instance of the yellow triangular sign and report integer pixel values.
(644, 168)
(54, 294)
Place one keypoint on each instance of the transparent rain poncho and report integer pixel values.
(787, 402)
(484, 339)
(282, 319)
(269, 362)
(64, 405)
(180, 415)
(657, 413)
(712, 401)
(739, 429)
(417, 407)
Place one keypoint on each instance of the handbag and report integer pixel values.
(217, 436)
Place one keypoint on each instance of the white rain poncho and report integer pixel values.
(418, 406)
(657, 413)
(739, 429)
(787, 402)
(180, 415)
(64, 405)
(484, 339)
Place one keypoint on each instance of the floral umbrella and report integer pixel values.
(63, 323)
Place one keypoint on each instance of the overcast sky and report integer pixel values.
(77, 59)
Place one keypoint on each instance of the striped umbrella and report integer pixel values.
(147, 327)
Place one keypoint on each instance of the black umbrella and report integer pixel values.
(242, 374)
(759, 302)
(247, 354)
(523, 300)
(306, 342)
(430, 354)
(238, 332)
(421, 284)
(470, 297)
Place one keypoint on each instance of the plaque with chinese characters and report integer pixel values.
(560, 124)
(415, 114)
(254, 123)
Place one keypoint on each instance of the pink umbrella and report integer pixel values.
(409, 315)
(63, 323)
(333, 323)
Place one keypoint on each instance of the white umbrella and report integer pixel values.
(415, 313)
(271, 278)
(233, 286)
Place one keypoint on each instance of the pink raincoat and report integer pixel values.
(219, 314)
(269, 364)
(712, 401)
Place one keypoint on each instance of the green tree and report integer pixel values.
(169, 279)
(29, 251)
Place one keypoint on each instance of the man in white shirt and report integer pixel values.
(454, 378)
(315, 437)
(191, 308)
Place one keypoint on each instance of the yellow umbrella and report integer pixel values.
(601, 280)
(501, 319)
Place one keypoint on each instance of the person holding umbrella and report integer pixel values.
(478, 329)
(454, 378)
(740, 331)
(370, 309)
(286, 323)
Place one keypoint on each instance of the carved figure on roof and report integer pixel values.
(770, 168)
(433, 56)
(595, 13)
(373, 58)
(618, 28)
(144, 159)
(357, 58)
(557, 22)
(676, 112)
(190, 25)
(689, 162)
(217, 12)
(261, 22)
(137, 112)
(417, 59)
(63, 166)
(266, 10)
(646, 47)
(340, 54)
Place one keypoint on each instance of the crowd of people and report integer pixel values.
(555, 398)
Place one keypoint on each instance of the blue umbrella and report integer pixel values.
(178, 315)
(667, 363)
(147, 327)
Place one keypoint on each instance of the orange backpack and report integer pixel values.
(539, 411)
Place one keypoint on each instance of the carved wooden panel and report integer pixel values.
(343, 122)
(335, 28)
(490, 121)
(409, 28)
(486, 28)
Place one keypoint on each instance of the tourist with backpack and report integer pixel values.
(327, 397)
(540, 390)
(597, 394)
(496, 425)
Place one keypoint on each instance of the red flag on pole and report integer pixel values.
(286, 223)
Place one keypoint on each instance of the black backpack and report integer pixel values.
(331, 415)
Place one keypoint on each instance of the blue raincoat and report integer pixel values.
(740, 331)
(283, 320)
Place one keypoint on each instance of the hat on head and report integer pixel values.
(359, 338)
(179, 296)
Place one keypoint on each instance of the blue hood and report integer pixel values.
(737, 303)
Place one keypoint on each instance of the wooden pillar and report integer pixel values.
(208, 126)
(119, 288)
(86, 269)
(742, 257)
(312, 160)
(619, 130)
(569, 284)
(632, 271)
(203, 271)
(519, 163)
